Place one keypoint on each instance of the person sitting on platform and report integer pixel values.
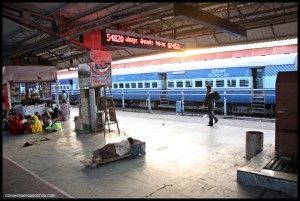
(11, 113)
(48, 108)
(22, 120)
(15, 125)
(47, 121)
(56, 115)
(37, 125)
(4, 120)
(27, 125)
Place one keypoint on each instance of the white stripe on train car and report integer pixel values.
(208, 64)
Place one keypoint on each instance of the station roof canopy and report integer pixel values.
(48, 29)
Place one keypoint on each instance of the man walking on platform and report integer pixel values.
(209, 102)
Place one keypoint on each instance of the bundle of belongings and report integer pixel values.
(129, 148)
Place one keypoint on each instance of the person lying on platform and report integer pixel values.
(115, 150)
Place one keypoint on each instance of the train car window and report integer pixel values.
(115, 86)
(209, 83)
(154, 84)
(133, 85)
(179, 84)
(121, 85)
(219, 83)
(140, 85)
(231, 83)
(244, 82)
(198, 83)
(188, 83)
(147, 84)
(170, 84)
(127, 85)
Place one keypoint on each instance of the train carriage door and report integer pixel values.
(163, 78)
(71, 86)
(163, 99)
(257, 75)
(258, 99)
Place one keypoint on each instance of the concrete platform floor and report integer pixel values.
(184, 159)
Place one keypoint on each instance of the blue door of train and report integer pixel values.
(163, 78)
(257, 74)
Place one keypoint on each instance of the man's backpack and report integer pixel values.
(216, 96)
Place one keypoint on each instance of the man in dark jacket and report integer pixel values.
(209, 102)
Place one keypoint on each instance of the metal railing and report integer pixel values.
(182, 93)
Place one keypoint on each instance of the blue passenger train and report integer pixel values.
(246, 83)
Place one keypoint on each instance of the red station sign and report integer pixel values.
(127, 39)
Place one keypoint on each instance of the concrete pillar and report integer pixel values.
(93, 108)
(254, 143)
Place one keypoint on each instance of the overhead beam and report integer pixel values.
(23, 18)
(207, 19)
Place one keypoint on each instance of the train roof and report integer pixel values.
(260, 54)
(255, 61)
(206, 54)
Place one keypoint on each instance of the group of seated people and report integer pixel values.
(30, 99)
(49, 121)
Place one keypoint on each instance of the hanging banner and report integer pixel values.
(100, 68)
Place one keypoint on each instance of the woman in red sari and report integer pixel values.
(15, 126)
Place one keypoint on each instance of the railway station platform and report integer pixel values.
(184, 159)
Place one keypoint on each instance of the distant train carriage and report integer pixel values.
(245, 82)
(69, 83)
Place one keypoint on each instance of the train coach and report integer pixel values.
(246, 83)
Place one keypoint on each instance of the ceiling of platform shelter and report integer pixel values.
(45, 29)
